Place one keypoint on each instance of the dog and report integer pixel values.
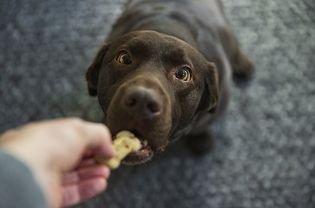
(164, 72)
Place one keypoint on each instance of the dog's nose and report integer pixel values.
(142, 102)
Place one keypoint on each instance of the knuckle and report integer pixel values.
(75, 121)
(76, 127)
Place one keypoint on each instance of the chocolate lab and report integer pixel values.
(165, 72)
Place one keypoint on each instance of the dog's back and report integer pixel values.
(198, 22)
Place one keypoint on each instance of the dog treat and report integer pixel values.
(125, 143)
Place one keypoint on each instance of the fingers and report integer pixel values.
(86, 163)
(84, 184)
(84, 190)
(85, 174)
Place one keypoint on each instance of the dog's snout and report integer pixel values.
(142, 102)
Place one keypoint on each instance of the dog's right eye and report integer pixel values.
(183, 74)
(123, 58)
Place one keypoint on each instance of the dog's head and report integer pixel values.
(154, 85)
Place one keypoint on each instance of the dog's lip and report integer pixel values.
(144, 153)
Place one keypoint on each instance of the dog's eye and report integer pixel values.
(123, 58)
(183, 74)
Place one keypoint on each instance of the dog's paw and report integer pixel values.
(243, 73)
(242, 67)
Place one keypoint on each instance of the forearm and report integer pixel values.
(18, 186)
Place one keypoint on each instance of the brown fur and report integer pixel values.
(161, 37)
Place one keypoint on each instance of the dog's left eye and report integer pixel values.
(183, 74)
(124, 58)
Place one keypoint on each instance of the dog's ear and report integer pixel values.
(93, 70)
(210, 95)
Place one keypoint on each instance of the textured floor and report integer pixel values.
(264, 154)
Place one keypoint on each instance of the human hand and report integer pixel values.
(60, 154)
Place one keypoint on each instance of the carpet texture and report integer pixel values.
(265, 149)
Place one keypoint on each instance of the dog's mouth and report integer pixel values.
(144, 154)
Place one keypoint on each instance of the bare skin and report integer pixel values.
(59, 153)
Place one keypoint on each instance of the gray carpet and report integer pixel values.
(265, 149)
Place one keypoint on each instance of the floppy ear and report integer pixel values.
(210, 95)
(93, 70)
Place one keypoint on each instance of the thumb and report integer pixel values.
(97, 138)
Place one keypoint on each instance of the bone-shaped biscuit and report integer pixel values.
(125, 143)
